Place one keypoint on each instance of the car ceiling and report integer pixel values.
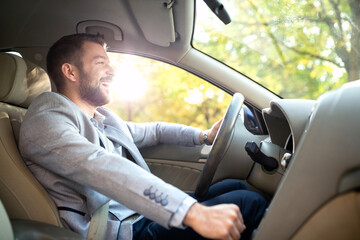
(37, 24)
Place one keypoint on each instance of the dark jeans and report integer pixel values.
(251, 204)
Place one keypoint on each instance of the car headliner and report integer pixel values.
(38, 24)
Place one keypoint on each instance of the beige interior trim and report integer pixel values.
(338, 219)
(183, 175)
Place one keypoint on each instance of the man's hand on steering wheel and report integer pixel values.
(210, 134)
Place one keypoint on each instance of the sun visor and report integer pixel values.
(155, 18)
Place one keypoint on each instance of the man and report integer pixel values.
(86, 156)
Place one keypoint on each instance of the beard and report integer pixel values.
(92, 93)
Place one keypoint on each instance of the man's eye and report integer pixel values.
(100, 63)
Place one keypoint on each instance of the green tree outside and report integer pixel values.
(297, 49)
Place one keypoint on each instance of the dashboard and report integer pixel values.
(286, 121)
(322, 137)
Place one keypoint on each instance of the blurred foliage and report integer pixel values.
(296, 48)
(167, 93)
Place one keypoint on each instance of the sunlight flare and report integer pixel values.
(129, 84)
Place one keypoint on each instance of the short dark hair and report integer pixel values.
(68, 49)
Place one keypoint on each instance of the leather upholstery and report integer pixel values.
(22, 195)
(21, 80)
(337, 219)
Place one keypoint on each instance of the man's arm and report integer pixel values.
(149, 134)
(222, 221)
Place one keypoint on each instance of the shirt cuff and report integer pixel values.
(178, 217)
(197, 137)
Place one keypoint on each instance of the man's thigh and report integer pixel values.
(221, 188)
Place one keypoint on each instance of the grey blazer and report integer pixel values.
(61, 147)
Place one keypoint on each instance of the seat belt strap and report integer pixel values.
(99, 218)
(98, 223)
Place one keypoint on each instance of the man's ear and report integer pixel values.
(69, 71)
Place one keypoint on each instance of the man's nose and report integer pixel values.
(110, 70)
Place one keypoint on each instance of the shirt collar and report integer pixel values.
(98, 120)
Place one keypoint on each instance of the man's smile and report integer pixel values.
(106, 81)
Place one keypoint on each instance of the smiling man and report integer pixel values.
(87, 158)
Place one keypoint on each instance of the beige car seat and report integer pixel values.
(21, 194)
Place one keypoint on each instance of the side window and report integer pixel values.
(146, 90)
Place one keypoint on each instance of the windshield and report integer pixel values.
(295, 48)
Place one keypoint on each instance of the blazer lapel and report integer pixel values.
(117, 136)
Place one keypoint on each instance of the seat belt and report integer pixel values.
(98, 223)
(99, 218)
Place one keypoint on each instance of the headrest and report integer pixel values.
(20, 80)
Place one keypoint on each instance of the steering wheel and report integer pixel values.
(220, 144)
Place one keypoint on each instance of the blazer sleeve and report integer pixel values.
(53, 136)
(149, 134)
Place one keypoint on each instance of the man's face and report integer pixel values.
(96, 75)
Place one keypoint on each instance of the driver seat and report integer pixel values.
(22, 195)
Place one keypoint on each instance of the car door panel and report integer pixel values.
(178, 165)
